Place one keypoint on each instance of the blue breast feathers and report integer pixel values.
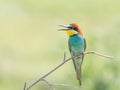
(76, 43)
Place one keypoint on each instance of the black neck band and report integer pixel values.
(73, 35)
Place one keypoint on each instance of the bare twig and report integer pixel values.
(99, 54)
(50, 85)
(64, 56)
(62, 63)
(44, 76)
(24, 86)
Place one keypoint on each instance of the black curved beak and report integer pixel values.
(65, 28)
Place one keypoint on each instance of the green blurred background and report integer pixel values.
(30, 44)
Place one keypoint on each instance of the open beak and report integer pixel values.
(65, 28)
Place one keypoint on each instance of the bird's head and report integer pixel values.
(72, 29)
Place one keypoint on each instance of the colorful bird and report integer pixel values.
(77, 46)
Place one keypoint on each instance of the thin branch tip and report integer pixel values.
(24, 86)
(99, 54)
(64, 56)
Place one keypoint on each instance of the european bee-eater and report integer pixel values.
(77, 46)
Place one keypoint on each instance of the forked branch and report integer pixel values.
(58, 66)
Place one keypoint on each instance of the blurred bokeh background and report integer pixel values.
(30, 44)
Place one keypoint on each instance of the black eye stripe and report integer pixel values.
(74, 28)
(70, 27)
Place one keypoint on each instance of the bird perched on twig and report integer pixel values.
(77, 46)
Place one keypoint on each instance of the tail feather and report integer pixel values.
(77, 63)
(80, 82)
(78, 73)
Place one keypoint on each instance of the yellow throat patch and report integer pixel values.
(71, 32)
